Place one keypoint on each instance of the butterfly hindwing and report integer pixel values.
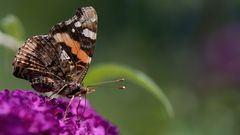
(36, 59)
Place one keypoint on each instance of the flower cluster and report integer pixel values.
(222, 54)
(27, 113)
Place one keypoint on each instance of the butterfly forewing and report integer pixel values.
(77, 37)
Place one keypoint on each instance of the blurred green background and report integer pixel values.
(191, 48)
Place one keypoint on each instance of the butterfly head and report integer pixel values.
(76, 89)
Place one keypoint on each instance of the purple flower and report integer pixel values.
(27, 113)
(222, 53)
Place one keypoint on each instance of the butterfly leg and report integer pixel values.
(68, 107)
(81, 115)
(58, 91)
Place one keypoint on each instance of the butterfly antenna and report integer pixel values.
(103, 86)
(108, 82)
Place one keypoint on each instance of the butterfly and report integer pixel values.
(58, 62)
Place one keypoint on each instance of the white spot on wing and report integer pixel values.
(73, 30)
(90, 59)
(75, 17)
(71, 67)
(68, 21)
(77, 24)
(88, 33)
(64, 55)
(93, 19)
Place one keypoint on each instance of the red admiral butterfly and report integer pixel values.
(59, 61)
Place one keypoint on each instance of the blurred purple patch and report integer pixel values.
(27, 113)
(223, 52)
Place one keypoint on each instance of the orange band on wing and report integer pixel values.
(74, 45)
